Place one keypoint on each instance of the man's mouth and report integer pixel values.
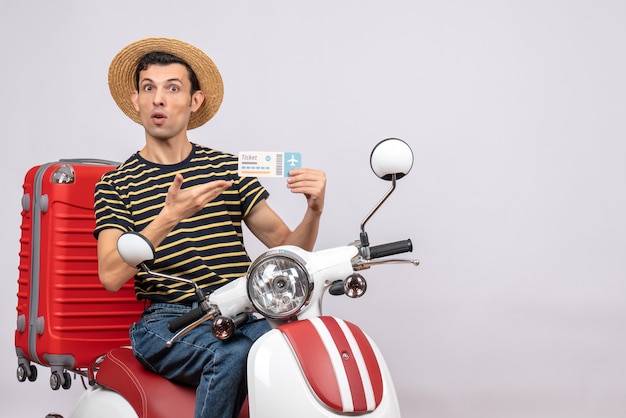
(158, 117)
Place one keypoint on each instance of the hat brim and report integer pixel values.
(124, 64)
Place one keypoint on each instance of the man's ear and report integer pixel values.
(134, 97)
(196, 100)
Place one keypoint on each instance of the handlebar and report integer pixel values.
(203, 313)
(391, 248)
(185, 319)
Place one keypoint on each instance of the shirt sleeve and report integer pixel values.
(110, 210)
(251, 192)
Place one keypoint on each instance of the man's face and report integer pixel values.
(164, 101)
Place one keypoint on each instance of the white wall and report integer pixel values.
(515, 111)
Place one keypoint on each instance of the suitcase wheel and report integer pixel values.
(58, 380)
(26, 372)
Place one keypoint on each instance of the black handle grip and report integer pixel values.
(241, 319)
(185, 319)
(336, 289)
(392, 248)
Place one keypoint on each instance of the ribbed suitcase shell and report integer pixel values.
(65, 318)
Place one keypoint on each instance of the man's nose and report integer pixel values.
(159, 97)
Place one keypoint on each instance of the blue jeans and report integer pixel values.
(216, 367)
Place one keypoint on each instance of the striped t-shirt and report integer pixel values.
(206, 247)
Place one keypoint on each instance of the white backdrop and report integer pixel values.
(516, 204)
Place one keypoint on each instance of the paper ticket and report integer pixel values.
(267, 164)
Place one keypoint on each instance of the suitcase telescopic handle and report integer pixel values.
(94, 161)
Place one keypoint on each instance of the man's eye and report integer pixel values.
(174, 88)
(147, 88)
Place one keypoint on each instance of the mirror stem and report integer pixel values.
(364, 239)
(197, 290)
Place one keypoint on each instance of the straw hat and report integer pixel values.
(122, 76)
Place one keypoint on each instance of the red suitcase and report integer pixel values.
(65, 318)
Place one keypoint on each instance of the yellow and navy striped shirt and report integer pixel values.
(207, 247)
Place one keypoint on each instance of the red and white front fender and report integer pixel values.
(322, 366)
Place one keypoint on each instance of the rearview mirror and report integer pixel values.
(135, 249)
(391, 156)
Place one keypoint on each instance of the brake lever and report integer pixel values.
(365, 264)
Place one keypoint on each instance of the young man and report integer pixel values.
(188, 200)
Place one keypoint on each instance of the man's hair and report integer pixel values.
(163, 58)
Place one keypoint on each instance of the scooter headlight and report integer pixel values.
(279, 285)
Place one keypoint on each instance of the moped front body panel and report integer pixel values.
(324, 367)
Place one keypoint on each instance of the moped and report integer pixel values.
(308, 365)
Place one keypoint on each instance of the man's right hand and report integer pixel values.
(183, 203)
